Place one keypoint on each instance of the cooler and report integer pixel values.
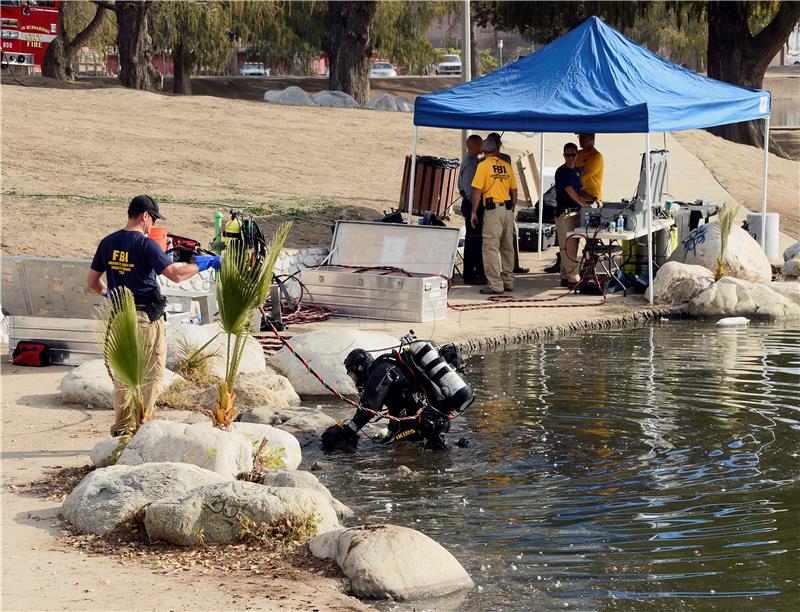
(346, 285)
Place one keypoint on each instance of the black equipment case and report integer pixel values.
(529, 236)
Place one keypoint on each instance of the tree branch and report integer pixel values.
(83, 36)
(105, 4)
(777, 29)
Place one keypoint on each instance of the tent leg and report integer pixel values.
(763, 239)
(412, 176)
(649, 215)
(541, 191)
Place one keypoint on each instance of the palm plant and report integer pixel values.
(122, 349)
(727, 214)
(242, 285)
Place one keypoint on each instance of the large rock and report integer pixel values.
(745, 258)
(303, 480)
(294, 420)
(109, 497)
(404, 105)
(90, 385)
(788, 289)
(335, 99)
(106, 452)
(733, 297)
(259, 389)
(325, 351)
(276, 439)
(791, 268)
(792, 252)
(227, 453)
(196, 336)
(677, 283)
(212, 513)
(384, 561)
(291, 96)
(382, 102)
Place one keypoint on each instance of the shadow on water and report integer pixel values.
(654, 468)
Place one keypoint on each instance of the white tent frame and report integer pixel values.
(648, 195)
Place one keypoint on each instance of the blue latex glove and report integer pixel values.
(204, 262)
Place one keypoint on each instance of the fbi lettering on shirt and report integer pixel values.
(119, 262)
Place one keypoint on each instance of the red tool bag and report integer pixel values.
(31, 354)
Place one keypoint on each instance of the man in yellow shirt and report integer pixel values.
(590, 164)
(494, 181)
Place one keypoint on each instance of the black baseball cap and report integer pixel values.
(144, 204)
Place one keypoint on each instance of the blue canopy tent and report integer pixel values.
(593, 79)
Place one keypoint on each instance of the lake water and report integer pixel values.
(655, 468)
(785, 112)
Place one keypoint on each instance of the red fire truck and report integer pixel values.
(28, 26)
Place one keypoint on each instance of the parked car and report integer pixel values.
(382, 69)
(255, 69)
(450, 64)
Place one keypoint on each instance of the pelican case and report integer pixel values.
(529, 236)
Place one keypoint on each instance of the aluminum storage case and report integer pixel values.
(427, 253)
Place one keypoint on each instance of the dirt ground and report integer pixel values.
(44, 571)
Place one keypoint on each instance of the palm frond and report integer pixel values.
(121, 347)
(727, 215)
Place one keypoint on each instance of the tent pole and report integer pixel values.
(541, 191)
(411, 176)
(763, 239)
(648, 215)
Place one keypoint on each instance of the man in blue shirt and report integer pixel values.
(473, 242)
(570, 197)
(130, 259)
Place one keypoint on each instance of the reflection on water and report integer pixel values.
(653, 468)
(785, 112)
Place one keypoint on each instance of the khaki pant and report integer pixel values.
(565, 224)
(154, 344)
(498, 248)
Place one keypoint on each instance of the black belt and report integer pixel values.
(568, 210)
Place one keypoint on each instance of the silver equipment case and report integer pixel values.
(427, 253)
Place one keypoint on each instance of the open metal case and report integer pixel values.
(426, 254)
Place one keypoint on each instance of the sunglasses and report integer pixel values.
(570, 154)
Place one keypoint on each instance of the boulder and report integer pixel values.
(276, 439)
(299, 479)
(382, 102)
(106, 452)
(788, 289)
(792, 252)
(791, 268)
(745, 258)
(109, 497)
(733, 297)
(212, 513)
(387, 561)
(325, 351)
(677, 283)
(291, 96)
(293, 420)
(335, 99)
(90, 385)
(227, 453)
(266, 388)
(404, 105)
(196, 336)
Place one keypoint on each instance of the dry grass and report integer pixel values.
(57, 483)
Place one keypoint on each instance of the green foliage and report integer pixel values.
(78, 14)
(399, 32)
(267, 459)
(673, 33)
(488, 61)
(195, 364)
(122, 349)
(727, 215)
(287, 531)
(242, 286)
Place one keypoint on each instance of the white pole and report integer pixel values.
(649, 215)
(541, 191)
(466, 68)
(412, 174)
(764, 193)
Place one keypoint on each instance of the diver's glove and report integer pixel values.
(339, 437)
(204, 262)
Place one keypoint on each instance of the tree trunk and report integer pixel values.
(134, 45)
(61, 52)
(350, 26)
(735, 56)
(184, 66)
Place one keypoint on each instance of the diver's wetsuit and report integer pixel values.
(389, 384)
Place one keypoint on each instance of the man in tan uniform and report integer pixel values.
(494, 182)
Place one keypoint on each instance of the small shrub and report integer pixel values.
(287, 531)
(195, 364)
(180, 395)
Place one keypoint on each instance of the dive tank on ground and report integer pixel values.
(445, 388)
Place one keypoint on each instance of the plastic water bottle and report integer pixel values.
(585, 220)
(620, 223)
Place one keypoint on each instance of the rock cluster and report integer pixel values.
(733, 297)
(295, 96)
(291, 96)
(335, 99)
(266, 388)
(294, 420)
(791, 261)
(388, 102)
(677, 283)
(196, 336)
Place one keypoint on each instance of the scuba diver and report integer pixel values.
(421, 386)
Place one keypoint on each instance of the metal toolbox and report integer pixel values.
(425, 253)
(529, 236)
